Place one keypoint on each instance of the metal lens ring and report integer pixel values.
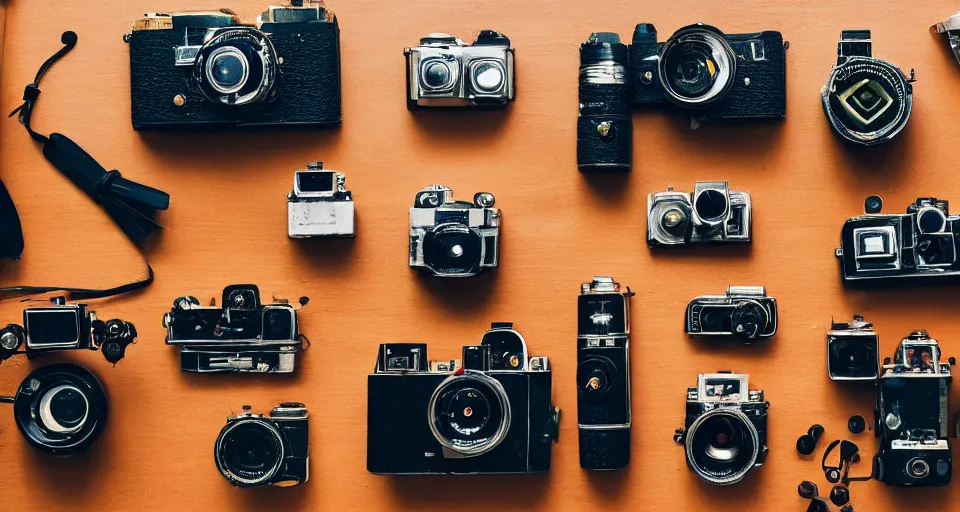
(867, 101)
(439, 74)
(453, 248)
(670, 220)
(487, 76)
(470, 413)
(60, 408)
(249, 452)
(697, 66)
(237, 66)
(722, 446)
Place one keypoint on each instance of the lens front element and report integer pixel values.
(722, 446)
(697, 66)
(867, 101)
(249, 452)
(63, 409)
(469, 413)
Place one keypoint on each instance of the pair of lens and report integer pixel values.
(722, 446)
(470, 413)
(441, 74)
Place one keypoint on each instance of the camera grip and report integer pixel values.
(604, 450)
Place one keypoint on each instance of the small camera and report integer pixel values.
(63, 326)
(912, 415)
(951, 29)
(711, 214)
(725, 431)
(745, 312)
(241, 336)
(489, 412)
(320, 206)
(853, 350)
(254, 450)
(208, 69)
(60, 408)
(445, 72)
(603, 374)
(453, 238)
(867, 101)
(921, 244)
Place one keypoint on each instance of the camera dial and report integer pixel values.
(469, 413)
(722, 446)
(697, 66)
(236, 66)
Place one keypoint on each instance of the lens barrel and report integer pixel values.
(604, 126)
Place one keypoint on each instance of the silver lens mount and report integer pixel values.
(867, 101)
(476, 379)
(719, 453)
(217, 69)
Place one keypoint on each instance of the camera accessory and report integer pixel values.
(254, 450)
(912, 408)
(808, 490)
(856, 424)
(603, 374)
(445, 72)
(11, 232)
(839, 495)
(725, 433)
(489, 412)
(919, 245)
(65, 327)
(951, 28)
(745, 312)
(711, 214)
(282, 70)
(807, 443)
(320, 205)
(866, 100)
(710, 74)
(818, 504)
(241, 336)
(604, 126)
(60, 408)
(853, 350)
(452, 238)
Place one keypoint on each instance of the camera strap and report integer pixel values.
(11, 234)
(130, 204)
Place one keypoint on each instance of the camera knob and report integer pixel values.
(749, 319)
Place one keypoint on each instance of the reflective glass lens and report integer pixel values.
(711, 204)
(692, 69)
(228, 70)
(250, 451)
(488, 77)
(437, 74)
(723, 448)
(63, 409)
(469, 415)
(452, 251)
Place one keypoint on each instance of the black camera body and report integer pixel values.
(241, 336)
(197, 70)
(603, 374)
(755, 89)
(912, 415)
(744, 312)
(489, 412)
(853, 351)
(254, 450)
(63, 326)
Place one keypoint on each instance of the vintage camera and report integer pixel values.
(912, 415)
(319, 205)
(725, 431)
(745, 312)
(241, 336)
(63, 326)
(207, 69)
(921, 244)
(453, 238)
(853, 350)
(866, 100)
(712, 213)
(603, 374)
(604, 126)
(445, 72)
(254, 450)
(60, 408)
(489, 412)
(951, 29)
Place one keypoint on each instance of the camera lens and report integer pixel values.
(722, 446)
(674, 221)
(697, 66)
(711, 205)
(867, 101)
(452, 249)
(238, 66)
(249, 452)
(469, 413)
(918, 468)
(931, 220)
(852, 355)
(63, 409)
(487, 77)
(437, 74)
(228, 70)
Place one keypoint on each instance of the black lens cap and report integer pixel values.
(856, 424)
(840, 495)
(808, 490)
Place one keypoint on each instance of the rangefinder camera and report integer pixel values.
(254, 450)
(711, 214)
(320, 206)
(241, 336)
(445, 72)
(744, 312)
(725, 431)
(853, 350)
(452, 238)
(63, 326)
(920, 245)
(867, 101)
(489, 412)
(603, 374)
(209, 69)
(912, 415)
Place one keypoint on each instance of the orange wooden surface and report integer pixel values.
(227, 224)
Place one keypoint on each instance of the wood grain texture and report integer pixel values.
(226, 224)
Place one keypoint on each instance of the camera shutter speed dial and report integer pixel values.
(749, 320)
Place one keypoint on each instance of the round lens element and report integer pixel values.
(488, 77)
(452, 249)
(437, 74)
(249, 452)
(228, 70)
(852, 355)
(238, 66)
(867, 101)
(722, 446)
(697, 66)
(63, 409)
(931, 220)
(469, 413)
(918, 468)
(711, 205)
